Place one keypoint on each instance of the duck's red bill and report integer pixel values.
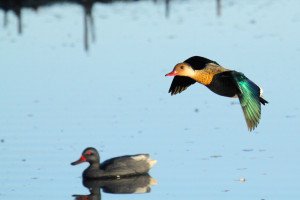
(80, 160)
(173, 73)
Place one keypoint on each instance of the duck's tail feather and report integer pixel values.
(151, 162)
(263, 101)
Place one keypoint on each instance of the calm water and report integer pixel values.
(72, 77)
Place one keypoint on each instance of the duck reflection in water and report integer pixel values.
(128, 185)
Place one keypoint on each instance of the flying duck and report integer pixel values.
(222, 81)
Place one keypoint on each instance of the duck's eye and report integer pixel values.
(182, 67)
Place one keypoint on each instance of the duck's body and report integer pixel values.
(122, 166)
(117, 167)
(222, 81)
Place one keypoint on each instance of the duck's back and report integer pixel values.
(127, 165)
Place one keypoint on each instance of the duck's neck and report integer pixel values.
(95, 165)
(202, 77)
(206, 75)
(93, 171)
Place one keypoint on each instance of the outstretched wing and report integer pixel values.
(180, 83)
(249, 97)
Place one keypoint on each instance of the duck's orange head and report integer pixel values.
(182, 69)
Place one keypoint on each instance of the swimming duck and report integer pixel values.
(222, 81)
(117, 167)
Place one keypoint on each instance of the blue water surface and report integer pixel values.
(73, 77)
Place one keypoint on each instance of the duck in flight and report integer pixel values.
(222, 81)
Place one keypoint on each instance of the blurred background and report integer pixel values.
(79, 73)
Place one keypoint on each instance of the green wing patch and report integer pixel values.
(249, 99)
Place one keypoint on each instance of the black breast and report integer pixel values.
(223, 84)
